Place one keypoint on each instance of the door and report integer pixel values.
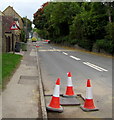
(8, 44)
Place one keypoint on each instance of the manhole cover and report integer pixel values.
(69, 101)
(28, 80)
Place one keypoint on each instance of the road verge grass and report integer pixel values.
(10, 62)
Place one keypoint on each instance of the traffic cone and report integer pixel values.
(89, 102)
(55, 101)
(69, 89)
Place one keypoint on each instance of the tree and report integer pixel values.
(27, 27)
(27, 23)
(82, 23)
(23, 35)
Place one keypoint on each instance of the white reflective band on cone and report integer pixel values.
(89, 94)
(56, 91)
(69, 83)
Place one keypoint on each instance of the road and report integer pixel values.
(55, 62)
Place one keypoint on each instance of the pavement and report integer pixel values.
(0, 107)
(21, 98)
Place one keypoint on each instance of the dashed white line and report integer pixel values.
(65, 53)
(75, 58)
(95, 66)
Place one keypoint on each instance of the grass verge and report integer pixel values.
(9, 64)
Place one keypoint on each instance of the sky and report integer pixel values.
(23, 7)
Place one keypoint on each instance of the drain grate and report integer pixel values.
(28, 80)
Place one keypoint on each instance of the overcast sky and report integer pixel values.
(23, 7)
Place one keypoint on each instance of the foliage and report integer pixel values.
(22, 35)
(81, 23)
(107, 43)
(27, 23)
(109, 31)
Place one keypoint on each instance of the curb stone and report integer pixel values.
(42, 100)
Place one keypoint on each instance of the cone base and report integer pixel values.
(55, 109)
(87, 110)
(69, 96)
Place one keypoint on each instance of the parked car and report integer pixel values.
(34, 39)
(46, 41)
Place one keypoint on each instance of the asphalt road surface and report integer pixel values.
(56, 62)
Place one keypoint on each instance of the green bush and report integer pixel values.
(109, 31)
(24, 46)
(73, 41)
(57, 40)
(86, 44)
(106, 45)
(22, 35)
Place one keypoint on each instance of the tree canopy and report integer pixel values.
(87, 24)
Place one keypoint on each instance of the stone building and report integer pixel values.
(9, 11)
(1, 35)
(10, 37)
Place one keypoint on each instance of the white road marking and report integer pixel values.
(33, 52)
(95, 66)
(58, 50)
(75, 58)
(98, 67)
(65, 53)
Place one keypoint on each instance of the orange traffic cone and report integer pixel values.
(55, 101)
(69, 89)
(89, 103)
